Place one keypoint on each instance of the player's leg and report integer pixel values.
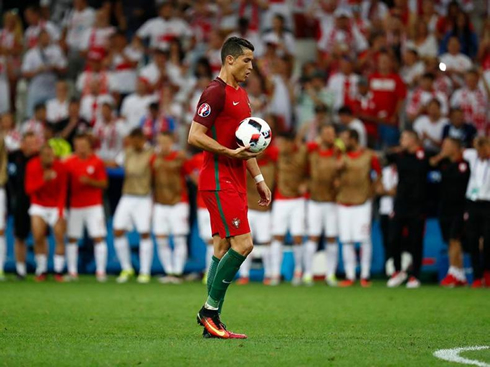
(3, 245)
(314, 220)
(253, 218)
(416, 227)
(297, 228)
(204, 226)
(179, 224)
(395, 242)
(97, 230)
(264, 238)
(39, 227)
(75, 232)
(121, 224)
(362, 234)
(451, 277)
(281, 212)
(348, 250)
(59, 230)
(332, 245)
(161, 231)
(141, 217)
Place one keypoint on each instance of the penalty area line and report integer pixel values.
(452, 355)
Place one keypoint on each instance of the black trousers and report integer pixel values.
(415, 224)
(478, 227)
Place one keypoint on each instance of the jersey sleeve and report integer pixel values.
(210, 104)
(101, 173)
(375, 165)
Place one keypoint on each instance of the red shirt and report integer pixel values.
(221, 109)
(194, 165)
(50, 193)
(84, 195)
(365, 106)
(387, 91)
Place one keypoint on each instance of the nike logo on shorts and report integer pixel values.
(224, 281)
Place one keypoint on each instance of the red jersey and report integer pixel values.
(194, 165)
(48, 193)
(221, 109)
(83, 195)
(387, 91)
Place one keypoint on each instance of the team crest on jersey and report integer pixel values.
(235, 222)
(462, 167)
(90, 170)
(204, 110)
(420, 154)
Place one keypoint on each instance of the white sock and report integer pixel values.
(298, 257)
(21, 269)
(165, 255)
(123, 252)
(72, 258)
(180, 254)
(266, 261)
(453, 271)
(100, 254)
(3, 252)
(146, 255)
(276, 258)
(366, 257)
(349, 256)
(41, 264)
(460, 275)
(245, 267)
(209, 255)
(308, 255)
(59, 263)
(332, 252)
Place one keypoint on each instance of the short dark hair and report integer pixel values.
(83, 136)
(436, 101)
(289, 135)
(137, 132)
(430, 76)
(353, 134)
(74, 100)
(345, 110)
(234, 46)
(154, 106)
(39, 106)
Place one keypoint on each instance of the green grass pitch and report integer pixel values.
(91, 324)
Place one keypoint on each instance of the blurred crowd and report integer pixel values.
(377, 68)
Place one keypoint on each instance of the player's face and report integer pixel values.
(47, 156)
(328, 135)
(483, 151)
(138, 142)
(241, 67)
(82, 146)
(407, 140)
(448, 148)
(165, 143)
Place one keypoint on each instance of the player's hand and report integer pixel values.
(49, 175)
(265, 194)
(85, 179)
(242, 153)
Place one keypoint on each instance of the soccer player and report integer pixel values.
(355, 191)
(171, 207)
(134, 208)
(18, 161)
(223, 105)
(46, 185)
(288, 211)
(455, 173)
(321, 162)
(88, 179)
(259, 216)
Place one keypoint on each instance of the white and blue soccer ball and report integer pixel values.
(255, 132)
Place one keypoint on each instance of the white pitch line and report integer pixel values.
(452, 355)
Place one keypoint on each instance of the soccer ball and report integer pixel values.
(255, 132)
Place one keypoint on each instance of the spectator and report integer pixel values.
(155, 122)
(442, 82)
(213, 52)
(253, 10)
(4, 85)
(244, 30)
(349, 122)
(412, 68)
(60, 146)
(456, 63)
(459, 129)
(227, 17)
(431, 126)
(282, 99)
(91, 103)
(11, 135)
(473, 100)
(110, 133)
(422, 40)
(430, 16)
(75, 24)
(256, 94)
(37, 123)
(95, 40)
(344, 83)
(484, 50)
(156, 73)
(57, 108)
(73, 124)
(135, 105)
(478, 208)
(389, 92)
(95, 72)
(314, 93)
(41, 66)
(280, 36)
(37, 25)
(467, 37)
(310, 130)
(3, 206)
(418, 101)
(164, 28)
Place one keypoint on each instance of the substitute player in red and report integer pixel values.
(88, 179)
(222, 180)
(46, 185)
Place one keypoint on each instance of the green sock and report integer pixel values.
(227, 269)
(212, 272)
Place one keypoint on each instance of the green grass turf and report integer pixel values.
(90, 324)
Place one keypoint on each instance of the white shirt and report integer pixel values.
(161, 31)
(151, 73)
(287, 41)
(91, 106)
(134, 107)
(96, 38)
(111, 137)
(33, 125)
(35, 58)
(474, 104)
(428, 48)
(433, 129)
(409, 73)
(358, 126)
(389, 179)
(31, 34)
(338, 83)
(76, 23)
(479, 183)
(56, 110)
(123, 75)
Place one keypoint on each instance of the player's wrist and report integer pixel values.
(259, 178)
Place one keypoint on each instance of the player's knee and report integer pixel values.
(145, 235)
(279, 238)
(98, 240)
(72, 241)
(118, 232)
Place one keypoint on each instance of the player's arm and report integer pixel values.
(100, 179)
(198, 138)
(262, 188)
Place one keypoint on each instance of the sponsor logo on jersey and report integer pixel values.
(420, 154)
(235, 222)
(204, 110)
